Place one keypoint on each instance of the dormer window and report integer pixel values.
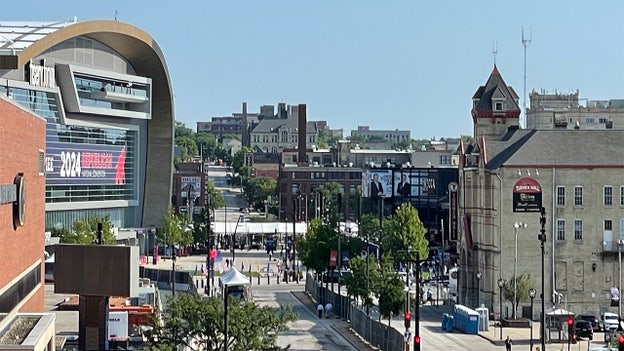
(498, 106)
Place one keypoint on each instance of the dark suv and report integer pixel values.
(591, 319)
(583, 329)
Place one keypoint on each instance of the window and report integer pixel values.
(589, 120)
(578, 229)
(622, 196)
(498, 106)
(294, 188)
(561, 196)
(608, 225)
(561, 229)
(293, 176)
(602, 120)
(578, 196)
(608, 195)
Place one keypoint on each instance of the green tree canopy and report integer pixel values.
(389, 289)
(405, 232)
(250, 327)
(85, 231)
(215, 196)
(175, 229)
(313, 249)
(260, 188)
(361, 283)
(208, 142)
(524, 283)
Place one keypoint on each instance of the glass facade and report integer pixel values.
(83, 164)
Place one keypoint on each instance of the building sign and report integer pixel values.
(377, 183)
(452, 187)
(192, 185)
(40, 75)
(95, 164)
(15, 194)
(527, 195)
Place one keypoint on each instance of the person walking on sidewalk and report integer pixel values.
(508, 343)
(319, 309)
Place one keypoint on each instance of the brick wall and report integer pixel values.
(21, 138)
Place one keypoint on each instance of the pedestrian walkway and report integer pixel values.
(196, 265)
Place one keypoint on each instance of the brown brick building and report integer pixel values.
(21, 244)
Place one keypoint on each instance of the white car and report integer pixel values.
(608, 321)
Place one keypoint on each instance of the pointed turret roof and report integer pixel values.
(497, 89)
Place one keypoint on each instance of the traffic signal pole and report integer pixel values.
(409, 259)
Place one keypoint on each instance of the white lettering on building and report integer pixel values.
(42, 76)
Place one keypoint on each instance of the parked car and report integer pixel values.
(583, 329)
(591, 319)
(608, 321)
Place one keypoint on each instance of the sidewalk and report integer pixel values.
(340, 326)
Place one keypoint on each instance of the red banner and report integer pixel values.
(333, 258)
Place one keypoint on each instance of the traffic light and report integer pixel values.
(620, 342)
(408, 320)
(417, 343)
(570, 328)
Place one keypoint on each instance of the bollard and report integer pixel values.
(258, 278)
(268, 279)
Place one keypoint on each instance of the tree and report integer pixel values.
(524, 283)
(181, 130)
(361, 283)
(405, 231)
(207, 142)
(357, 139)
(369, 226)
(189, 318)
(188, 147)
(389, 289)
(85, 231)
(238, 159)
(171, 228)
(215, 197)
(260, 188)
(313, 249)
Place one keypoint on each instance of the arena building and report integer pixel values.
(103, 88)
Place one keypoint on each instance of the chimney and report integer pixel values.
(245, 126)
(301, 154)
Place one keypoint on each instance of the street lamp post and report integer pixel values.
(542, 238)
(479, 276)
(233, 237)
(620, 243)
(532, 296)
(501, 283)
(515, 301)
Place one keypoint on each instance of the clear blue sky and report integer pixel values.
(387, 64)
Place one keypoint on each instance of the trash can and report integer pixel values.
(484, 318)
(444, 320)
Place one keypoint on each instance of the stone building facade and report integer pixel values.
(506, 175)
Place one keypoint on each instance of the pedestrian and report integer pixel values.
(319, 309)
(508, 343)
(328, 308)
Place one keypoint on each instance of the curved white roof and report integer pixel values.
(17, 36)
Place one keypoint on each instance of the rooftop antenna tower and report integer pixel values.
(525, 43)
(494, 50)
